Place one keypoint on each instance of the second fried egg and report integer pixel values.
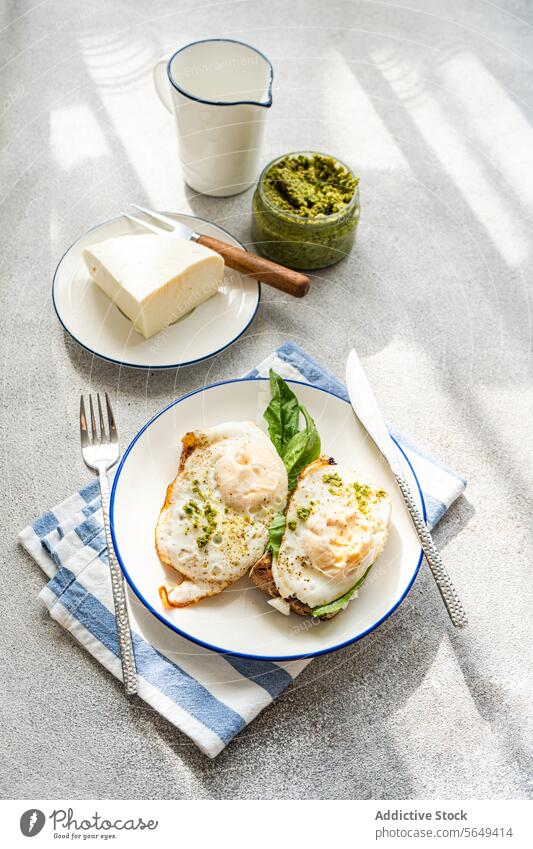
(336, 528)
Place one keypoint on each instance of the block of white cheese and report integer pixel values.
(154, 280)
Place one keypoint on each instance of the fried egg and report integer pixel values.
(214, 523)
(336, 528)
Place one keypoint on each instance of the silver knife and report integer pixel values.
(367, 411)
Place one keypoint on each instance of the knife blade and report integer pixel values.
(366, 409)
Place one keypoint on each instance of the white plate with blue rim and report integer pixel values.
(239, 620)
(97, 324)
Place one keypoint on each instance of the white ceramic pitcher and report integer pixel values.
(220, 91)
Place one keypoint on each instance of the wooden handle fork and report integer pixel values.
(285, 279)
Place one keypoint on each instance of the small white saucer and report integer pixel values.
(96, 323)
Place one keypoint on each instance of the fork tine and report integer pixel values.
(111, 419)
(84, 436)
(103, 436)
(157, 215)
(158, 230)
(93, 420)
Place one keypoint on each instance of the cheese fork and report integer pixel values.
(286, 279)
(100, 450)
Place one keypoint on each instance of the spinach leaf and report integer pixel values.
(282, 414)
(275, 533)
(339, 603)
(302, 449)
(297, 448)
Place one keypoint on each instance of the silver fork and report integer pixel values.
(100, 451)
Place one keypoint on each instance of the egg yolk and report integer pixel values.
(251, 475)
(337, 544)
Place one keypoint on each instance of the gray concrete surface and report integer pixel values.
(430, 102)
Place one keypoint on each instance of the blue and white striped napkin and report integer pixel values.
(210, 697)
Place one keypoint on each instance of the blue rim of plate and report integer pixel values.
(144, 365)
(218, 649)
(266, 105)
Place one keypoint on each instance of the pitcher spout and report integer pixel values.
(222, 72)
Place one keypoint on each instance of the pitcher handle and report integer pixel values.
(162, 85)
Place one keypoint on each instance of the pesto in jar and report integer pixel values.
(305, 210)
(309, 185)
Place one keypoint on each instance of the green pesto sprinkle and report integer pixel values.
(303, 513)
(291, 525)
(362, 494)
(333, 478)
(197, 491)
(209, 528)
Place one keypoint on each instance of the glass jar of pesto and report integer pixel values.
(305, 210)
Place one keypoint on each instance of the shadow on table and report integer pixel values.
(347, 302)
